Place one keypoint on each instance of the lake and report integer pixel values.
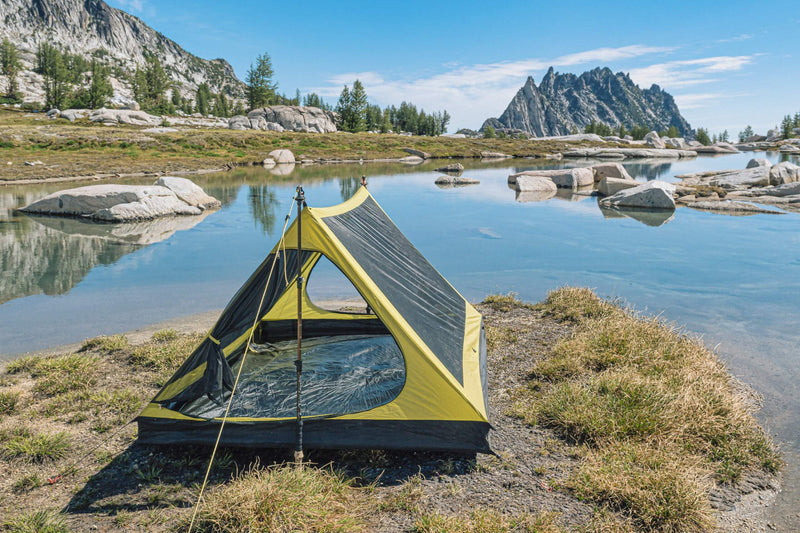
(733, 280)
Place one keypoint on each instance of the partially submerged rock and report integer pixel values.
(758, 162)
(566, 178)
(535, 184)
(120, 203)
(735, 208)
(610, 170)
(455, 181)
(629, 153)
(651, 195)
(718, 148)
(418, 153)
(609, 186)
(494, 155)
(452, 167)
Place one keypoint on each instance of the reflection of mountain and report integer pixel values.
(262, 206)
(51, 255)
(649, 170)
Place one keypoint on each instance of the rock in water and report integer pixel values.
(610, 170)
(651, 195)
(494, 155)
(733, 208)
(567, 178)
(609, 186)
(452, 167)
(785, 172)
(535, 184)
(418, 153)
(760, 162)
(282, 156)
(120, 203)
(455, 181)
(563, 102)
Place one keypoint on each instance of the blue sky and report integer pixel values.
(728, 64)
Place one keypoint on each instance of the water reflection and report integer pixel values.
(649, 169)
(263, 202)
(654, 218)
(348, 187)
(49, 255)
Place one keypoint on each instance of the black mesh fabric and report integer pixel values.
(341, 375)
(423, 297)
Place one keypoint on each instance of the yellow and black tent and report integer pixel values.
(409, 373)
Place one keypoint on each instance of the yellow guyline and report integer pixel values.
(281, 248)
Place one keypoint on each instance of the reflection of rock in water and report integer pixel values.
(535, 196)
(282, 170)
(576, 195)
(51, 255)
(655, 218)
(649, 169)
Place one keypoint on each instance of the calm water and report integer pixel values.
(733, 280)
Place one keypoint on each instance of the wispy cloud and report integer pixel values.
(738, 38)
(136, 6)
(474, 92)
(698, 100)
(677, 74)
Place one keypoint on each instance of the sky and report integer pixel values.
(728, 64)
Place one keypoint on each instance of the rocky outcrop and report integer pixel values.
(286, 118)
(418, 153)
(651, 195)
(785, 172)
(565, 102)
(282, 156)
(455, 181)
(535, 184)
(88, 27)
(735, 208)
(114, 117)
(120, 203)
(610, 170)
(629, 153)
(452, 167)
(494, 155)
(718, 148)
(653, 140)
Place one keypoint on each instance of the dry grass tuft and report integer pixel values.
(57, 375)
(164, 353)
(21, 443)
(656, 412)
(43, 521)
(105, 344)
(283, 498)
(486, 521)
(504, 302)
(8, 402)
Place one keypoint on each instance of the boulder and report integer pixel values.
(755, 138)
(294, 118)
(719, 148)
(74, 114)
(239, 122)
(494, 155)
(760, 162)
(452, 167)
(123, 116)
(653, 140)
(566, 178)
(455, 181)
(268, 162)
(282, 156)
(609, 186)
(694, 144)
(733, 208)
(535, 184)
(119, 203)
(188, 192)
(782, 173)
(610, 170)
(651, 195)
(411, 160)
(773, 135)
(787, 189)
(53, 113)
(418, 153)
(629, 153)
(789, 148)
(677, 142)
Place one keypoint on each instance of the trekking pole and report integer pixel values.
(301, 202)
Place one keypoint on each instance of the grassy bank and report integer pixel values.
(85, 149)
(603, 421)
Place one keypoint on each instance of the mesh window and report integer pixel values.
(426, 300)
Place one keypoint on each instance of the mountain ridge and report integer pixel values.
(92, 27)
(565, 102)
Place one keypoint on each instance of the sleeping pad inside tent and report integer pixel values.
(408, 371)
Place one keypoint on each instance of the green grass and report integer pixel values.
(8, 402)
(23, 444)
(59, 374)
(654, 413)
(504, 302)
(164, 352)
(283, 498)
(486, 521)
(26, 483)
(105, 344)
(44, 521)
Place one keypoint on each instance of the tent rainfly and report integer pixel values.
(409, 373)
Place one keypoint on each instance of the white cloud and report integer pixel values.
(472, 93)
(738, 38)
(131, 5)
(676, 74)
(698, 100)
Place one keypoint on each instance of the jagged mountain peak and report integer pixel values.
(565, 102)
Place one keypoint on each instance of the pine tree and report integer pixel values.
(488, 132)
(702, 136)
(745, 134)
(150, 85)
(221, 108)
(202, 99)
(100, 89)
(10, 65)
(358, 103)
(260, 89)
(786, 127)
(344, 109)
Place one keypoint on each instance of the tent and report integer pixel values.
(408, 373)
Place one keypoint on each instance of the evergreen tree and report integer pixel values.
(260, 89)
(488, 133)
(702, 136)
(50, 64)
(745, 134)
(202, 99)
(100, 89)
(343, 108)
(358, 104)
(10, 65)
(796, 120)
(150, 85)
(724, 136)
(221, 108)
(787, 124)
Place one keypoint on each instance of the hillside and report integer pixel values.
(93, 28)
(563, 103)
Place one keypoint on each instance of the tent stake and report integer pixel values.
(301, 202)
